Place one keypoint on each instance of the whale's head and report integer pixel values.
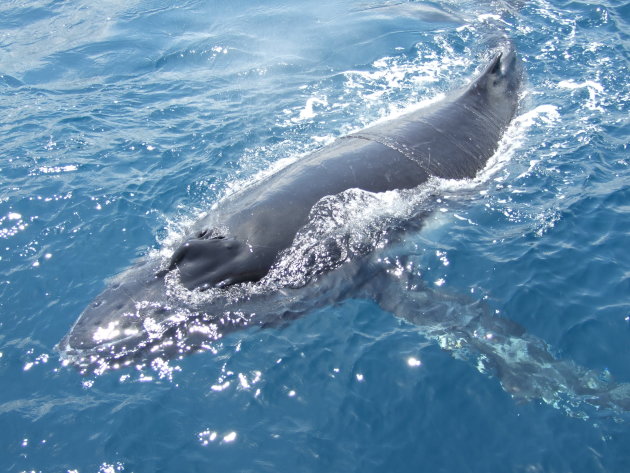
(147, 304)
(123, 315)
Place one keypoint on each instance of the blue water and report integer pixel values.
(122, 121)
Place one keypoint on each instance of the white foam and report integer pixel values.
(308, 111)
(594, 89)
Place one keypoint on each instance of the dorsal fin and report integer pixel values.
(494, 72)
(495, 65)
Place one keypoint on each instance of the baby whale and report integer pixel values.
(239, 242)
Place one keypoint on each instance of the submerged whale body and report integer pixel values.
(240, 241)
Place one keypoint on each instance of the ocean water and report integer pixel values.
(121, 122)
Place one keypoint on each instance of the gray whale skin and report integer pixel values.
(452, 138)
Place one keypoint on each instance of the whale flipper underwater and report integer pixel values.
(218, 279)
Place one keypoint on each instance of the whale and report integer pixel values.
(282, 247)
(211, 283)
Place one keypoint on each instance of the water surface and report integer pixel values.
(123, 121)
